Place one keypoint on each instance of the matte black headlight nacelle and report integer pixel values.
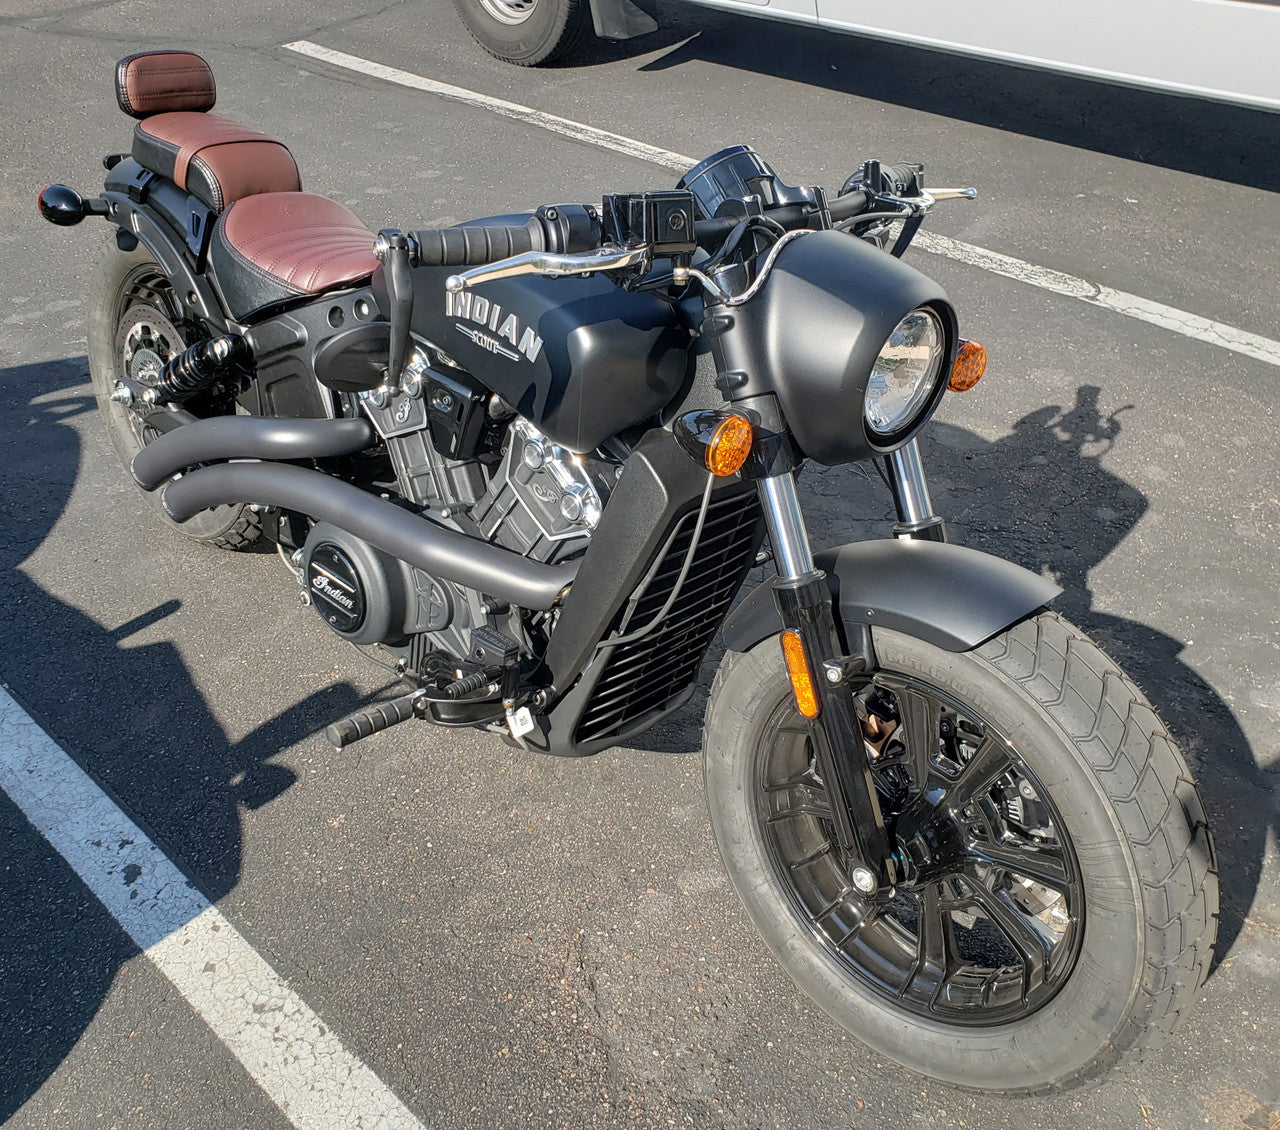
(827, 312)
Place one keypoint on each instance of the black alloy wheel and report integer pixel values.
(1056, 900)
(986, 925)
(136, 324)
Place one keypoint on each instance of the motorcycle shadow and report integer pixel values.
(120, 699)
(1041, 497)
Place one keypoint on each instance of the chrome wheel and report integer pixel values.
(510, 12)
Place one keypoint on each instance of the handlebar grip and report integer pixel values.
(476, 244)
(849, 205)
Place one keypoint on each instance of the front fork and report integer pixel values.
(805, 605)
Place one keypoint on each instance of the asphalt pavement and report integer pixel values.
(507, 940)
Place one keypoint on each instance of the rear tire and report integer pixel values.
(132, 308)
(981, 977)
(527, 32)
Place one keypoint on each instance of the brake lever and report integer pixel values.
(921, 204)
(551, 265)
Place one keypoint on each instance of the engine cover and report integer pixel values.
(337, 593)
(367, 596)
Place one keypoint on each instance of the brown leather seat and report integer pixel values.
(277, 247)
(213, 158)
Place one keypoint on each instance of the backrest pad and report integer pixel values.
(155, 82)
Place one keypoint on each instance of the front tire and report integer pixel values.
(1060, 900)
(135, 325)
(527, 32)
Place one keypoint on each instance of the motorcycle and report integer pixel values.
(531, 459)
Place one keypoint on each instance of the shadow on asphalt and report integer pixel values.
(1210, 139)
(130, 715)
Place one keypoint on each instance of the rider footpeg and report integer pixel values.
(366, 723)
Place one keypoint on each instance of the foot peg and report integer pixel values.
(366, 723)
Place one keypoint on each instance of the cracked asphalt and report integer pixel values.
(512, 941)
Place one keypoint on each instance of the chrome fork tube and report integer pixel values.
(916, 518)
(785, 522)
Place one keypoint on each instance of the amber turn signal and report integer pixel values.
(720, 441)
(801, 677)
(971, 363)
(730, 445)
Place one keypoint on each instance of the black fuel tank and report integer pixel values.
(580, 358)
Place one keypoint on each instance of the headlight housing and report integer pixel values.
(904, 376)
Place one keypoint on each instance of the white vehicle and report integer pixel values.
(1225, 50)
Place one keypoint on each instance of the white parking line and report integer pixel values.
(284, 1046)
(1117, 301)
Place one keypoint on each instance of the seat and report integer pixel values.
(277, 247)
(213, 158)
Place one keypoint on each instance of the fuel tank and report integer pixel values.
(580, 358)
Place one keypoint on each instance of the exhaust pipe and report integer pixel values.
(247, 437)
(425, 545)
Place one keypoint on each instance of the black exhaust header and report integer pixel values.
(247, 437)
(425, 545)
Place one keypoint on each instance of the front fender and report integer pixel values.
(944, 594)
(621, 19)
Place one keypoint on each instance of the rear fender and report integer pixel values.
(946, 595)
(169, 251)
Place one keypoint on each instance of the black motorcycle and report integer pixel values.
(537, 485)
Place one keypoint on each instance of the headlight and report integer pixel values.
(903, 377)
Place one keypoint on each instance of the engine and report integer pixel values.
(466, 460)
(544, 501)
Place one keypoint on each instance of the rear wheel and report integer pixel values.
(527, 32)
(135, 325)
(1059, 901)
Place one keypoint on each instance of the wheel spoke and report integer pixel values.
(1017, 929)
(936, 957)
(921, 720)
(842, 934)
(980, 772)
(798, 797)
(1030, 861)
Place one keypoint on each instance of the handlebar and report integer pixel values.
(480, 244)
(573, 239)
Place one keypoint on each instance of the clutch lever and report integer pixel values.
(551, 265)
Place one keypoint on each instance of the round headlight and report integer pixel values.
(902, 379)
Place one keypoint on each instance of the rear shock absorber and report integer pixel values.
(197, 368)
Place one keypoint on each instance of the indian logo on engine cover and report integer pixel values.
(501, 325)
(335, 587)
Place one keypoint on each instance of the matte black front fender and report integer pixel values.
(621, 19)
(946, 595)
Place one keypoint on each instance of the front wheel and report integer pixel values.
(527, 32)
(1059, 900)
